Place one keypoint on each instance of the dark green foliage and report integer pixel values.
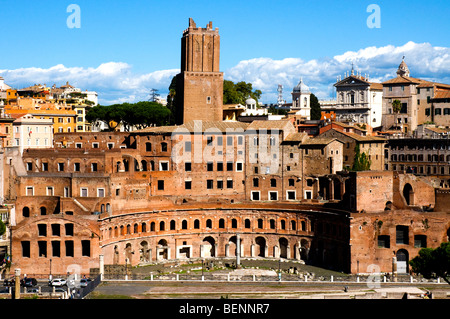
(141, 114)
(361, 161)
(433, 263)
(315, 108)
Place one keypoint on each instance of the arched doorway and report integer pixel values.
(209, 247)
(408, 194)
(128, 253)
(260, 246)
(232, 246)
(144, 255)
(402, 261)
(283, 247)
(304, 249)
(116, 255)
(162, 250)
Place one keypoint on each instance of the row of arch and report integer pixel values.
(162, 225)
(160, 249)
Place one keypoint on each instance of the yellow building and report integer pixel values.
(64, 120)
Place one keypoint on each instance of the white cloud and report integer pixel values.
(380, 63)
(117, 82)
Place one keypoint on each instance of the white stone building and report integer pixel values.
(357, 101)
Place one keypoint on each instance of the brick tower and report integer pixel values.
(200, 83)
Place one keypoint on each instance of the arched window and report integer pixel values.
(161, 225)
(144, 227)
(172, 225)
(283, 224)
(221, 223)
(135, 228)
(196, 224)
(247, 223)
(43, 210)
(293, 225)
(234, 223)
(152, 226)
(208, 223)
(26, 211)
(148, 147)
(184, 224)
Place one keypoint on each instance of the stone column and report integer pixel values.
(101, 266)
(394, 269)
(17, 283)
(238, 250)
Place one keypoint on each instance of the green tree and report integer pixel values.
(141, 114)
(396, 108)
(2, 228)
(433, 263)
(361, 161)
(315, 108)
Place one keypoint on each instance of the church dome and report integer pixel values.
(250, 101)
(301, 87)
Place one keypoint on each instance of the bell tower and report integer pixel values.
(200, 82)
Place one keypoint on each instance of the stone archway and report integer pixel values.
(208, 247)
(402, 261)
(144, 252)
(260, 246)
(408, 194)
(283, 242)
(162, 250)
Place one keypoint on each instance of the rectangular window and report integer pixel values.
(86, 248)
(42, 248)
(42, 230)
(76, 167)
(229, 166)
(100, 192)
(209, 184)
(56, 248)
(219, 166)
(420, 241)
(230, 183)
(209, 166)
(49, 191)
(273, 195)
(61, 167)
(160, 185)
(290, 195)
(229, 140)
(220, 140)
(255, 195)
(187, 146)
(219, 184)
(30, 191)
(187, 184)
(239, 167)
(384, 241)
(83, 192)
(94, 167)
(163, 166)
(69, 229)
(402, 235)
(56, 230)
(69, 248)
(187, 166)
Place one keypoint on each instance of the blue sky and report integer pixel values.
(124, 48)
